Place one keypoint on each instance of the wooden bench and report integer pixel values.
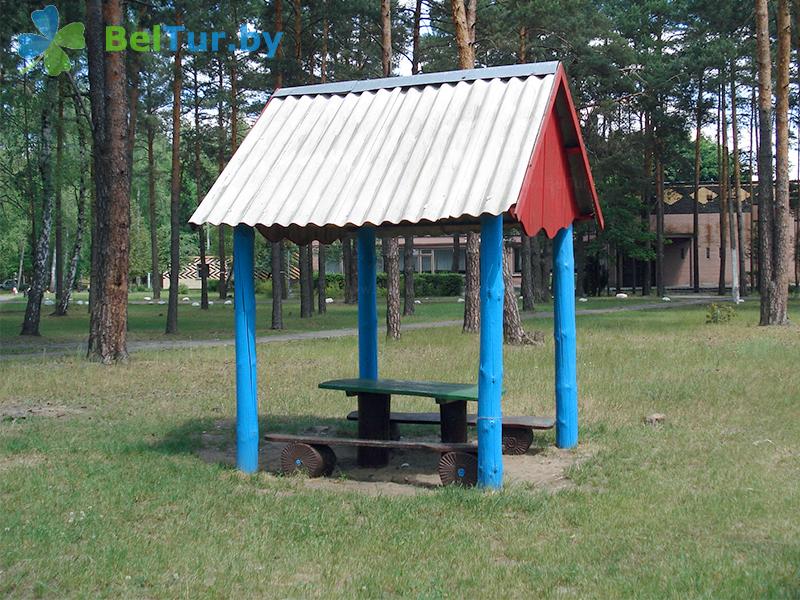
(458, 462)
(517, 430)
(374, 402)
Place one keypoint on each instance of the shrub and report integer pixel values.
(425, 284)
(720, 313)
(264, 287)
(183, 289)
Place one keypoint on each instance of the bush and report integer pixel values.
(720, 313)
(438, 284)
(183, 289)
(264, 287)
(213, 285)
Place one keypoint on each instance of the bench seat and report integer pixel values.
(431, 418)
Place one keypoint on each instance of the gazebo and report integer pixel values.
(476, 150)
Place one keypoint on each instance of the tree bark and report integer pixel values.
(58, 254)
(737, 189)
(72, 272)
(222, 288)
(528, 303)
(322, 283)
(276, 263)
(696, 203)
(175, 193)
(513, 333)
(306, 283)
(472, 285)
(392, 268)
(151, 207)
(723, 193)
(660, 288)
(408, 275)
(455, 267)
(539, 271)
(777, 296)
(415, 53)
(110, 242)
(198, 187)
(33, 309)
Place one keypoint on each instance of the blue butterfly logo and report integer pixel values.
(49, 45)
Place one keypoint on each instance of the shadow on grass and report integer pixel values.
(213, 441)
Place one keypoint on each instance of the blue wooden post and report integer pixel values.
(564, 333)
(490, 373)
(245, 320)
(367, 305)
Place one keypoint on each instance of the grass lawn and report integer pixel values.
(147, 321)
(112, 500)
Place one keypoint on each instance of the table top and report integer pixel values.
(428, 389)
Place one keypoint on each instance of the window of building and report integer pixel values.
(708, 253)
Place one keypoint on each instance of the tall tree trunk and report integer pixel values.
(455, 267)
(286, 281)
(465, 35)
(737, 189)
(276, 263)
(111, 241)
(539, 271)
(513, 333)
(151, 208)
(755, 252)
(408, 275)
(58, 255)
(392, 268)
(390, 245)
(175, 194)
(33, 309)
(647, 275)
(660, 288)
(415, 53)
(222, 288)
(306, 283)
(322, 283)
(777, 296)
(528, 303)
(696, 203)
(72, 272)
(198, 186)
(279, 69)
(723, 193)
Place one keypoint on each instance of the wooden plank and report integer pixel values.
(410, 418)
(428, 389)
(395, 444)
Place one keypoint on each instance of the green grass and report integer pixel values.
(147, 321)
(114, 502)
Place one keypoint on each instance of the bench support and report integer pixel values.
(373, 424)
(564, 333)
(453, 420)
(490, 372)
(245, 325)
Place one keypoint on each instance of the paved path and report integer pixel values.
(67, 348)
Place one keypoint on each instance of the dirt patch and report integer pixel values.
(20, 460)
(16, 412)
(408, 473)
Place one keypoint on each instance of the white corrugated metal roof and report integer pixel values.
(430, 148)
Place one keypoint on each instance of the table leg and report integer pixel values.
(373, 424)
(454, 421)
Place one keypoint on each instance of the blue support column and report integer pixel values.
(245, 322)
(367, 305)
(490, 373)
(564, 333)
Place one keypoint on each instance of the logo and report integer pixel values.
(50, 44)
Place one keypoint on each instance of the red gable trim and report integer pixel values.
(558, 188)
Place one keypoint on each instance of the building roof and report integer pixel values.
(431, 151)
